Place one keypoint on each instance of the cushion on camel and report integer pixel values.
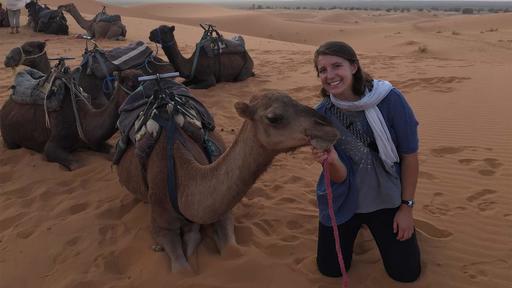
(26, 90)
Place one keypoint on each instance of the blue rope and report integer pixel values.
(107, 84)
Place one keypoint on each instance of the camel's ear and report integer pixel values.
(244, 110)
(173, 28)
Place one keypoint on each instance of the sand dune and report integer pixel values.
(81, 229)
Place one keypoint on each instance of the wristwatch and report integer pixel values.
(409, 203)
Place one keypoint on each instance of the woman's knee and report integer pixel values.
(330, 269)
(407, 273)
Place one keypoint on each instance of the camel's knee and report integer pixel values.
(54, 153)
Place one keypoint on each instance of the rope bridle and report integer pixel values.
(23, 57)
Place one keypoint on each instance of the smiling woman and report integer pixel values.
(374, 164)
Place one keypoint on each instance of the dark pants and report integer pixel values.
(401, 258)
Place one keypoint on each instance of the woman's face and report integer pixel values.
(336, 75)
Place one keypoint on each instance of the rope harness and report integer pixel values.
(327, 179)
(23, 57)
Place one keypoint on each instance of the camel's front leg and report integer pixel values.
(203, 83)
(191, 238)
(170, 241)
(55, 153)
(224, 235)
(114, 33)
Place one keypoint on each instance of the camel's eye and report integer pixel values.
(275, 119)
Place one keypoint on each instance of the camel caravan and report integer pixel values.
(169, 152)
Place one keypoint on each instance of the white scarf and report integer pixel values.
(368, 103)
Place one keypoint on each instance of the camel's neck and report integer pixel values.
(217, 188)
(41, 64)
(181, 64)
(99, 125)
(82, 22)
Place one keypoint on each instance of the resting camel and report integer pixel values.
(274, 123)
(23, 125)
(43, 19)
(209, 70)
(96, 28)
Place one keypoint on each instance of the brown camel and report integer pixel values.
(96, 29)
(274, 123)
(23, 125)
(209, 70)
(31, 54)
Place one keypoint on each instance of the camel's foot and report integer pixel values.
(11, 145)
(205, 84)
(74, 165)
(54, 153)
(182, 269)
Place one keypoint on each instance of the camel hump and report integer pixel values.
(26, 90)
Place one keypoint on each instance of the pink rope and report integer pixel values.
(327, 179)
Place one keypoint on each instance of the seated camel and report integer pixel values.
(101, 26)
(71, 124)
(200, 192)
(201, 70)
(43, 19)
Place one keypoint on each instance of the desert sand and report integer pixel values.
(82, 229)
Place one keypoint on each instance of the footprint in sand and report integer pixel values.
(438, 207)
(479, 270)
(482, 200)
(429, 230)
(428, 176)
(446, 150)
(484, 167)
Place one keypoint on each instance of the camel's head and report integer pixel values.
(283, 124)
(163, 35)
(26, 54)
(127, 82)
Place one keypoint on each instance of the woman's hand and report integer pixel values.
(337, 169)
(403, 224)
(321, 155)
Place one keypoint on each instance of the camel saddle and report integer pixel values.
(136, 121)
(103, 16)
(148, 111)
(102, 63)
(216, 45)
(27, 90)
(48, 18)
